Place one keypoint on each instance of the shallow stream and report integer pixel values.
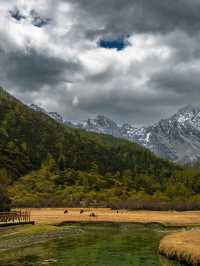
(94, 245)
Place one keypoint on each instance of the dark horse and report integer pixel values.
(92, 214)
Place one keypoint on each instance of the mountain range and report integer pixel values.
(45, 162)
(29, 136)
(176, 138)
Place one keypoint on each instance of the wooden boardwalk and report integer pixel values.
(15, 218)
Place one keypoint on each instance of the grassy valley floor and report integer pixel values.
(183, 246)
(165, 218)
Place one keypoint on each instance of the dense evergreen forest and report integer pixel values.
(44, 163)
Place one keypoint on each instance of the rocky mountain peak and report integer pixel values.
(101, 124)
(176, 138)
(187, 113)
(105, 121)
(128, 131)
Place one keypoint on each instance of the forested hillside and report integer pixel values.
(45, 163)
(29, 138)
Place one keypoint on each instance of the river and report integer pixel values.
(94, 245)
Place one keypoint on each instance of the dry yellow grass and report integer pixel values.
(56, 215)
(182, 246)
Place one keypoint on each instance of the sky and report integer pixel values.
(135, 61)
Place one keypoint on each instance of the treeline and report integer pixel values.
(52, 187)
(5, 201)
(157, 205)
(28, 138)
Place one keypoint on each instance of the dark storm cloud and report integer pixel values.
(32, 70)
(183, 83)
(123, 105)
(38, 20)
(49, 54)
(130, 16)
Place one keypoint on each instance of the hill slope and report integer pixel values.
(28, 137)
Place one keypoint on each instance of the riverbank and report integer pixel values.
(166, 219)
(48, 219)
(187, 251)
(28, 235)
(183, 247)
(94, 245)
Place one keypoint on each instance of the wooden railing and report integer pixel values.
(15, 217)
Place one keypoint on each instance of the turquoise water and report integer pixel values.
(94, 245)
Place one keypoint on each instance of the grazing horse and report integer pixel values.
(81, 211)
(93, 214)
(65, 211)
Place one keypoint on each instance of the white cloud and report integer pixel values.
(64, 70)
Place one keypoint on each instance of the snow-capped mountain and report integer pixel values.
(102, 125)
(176, 138)
(128, 131)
